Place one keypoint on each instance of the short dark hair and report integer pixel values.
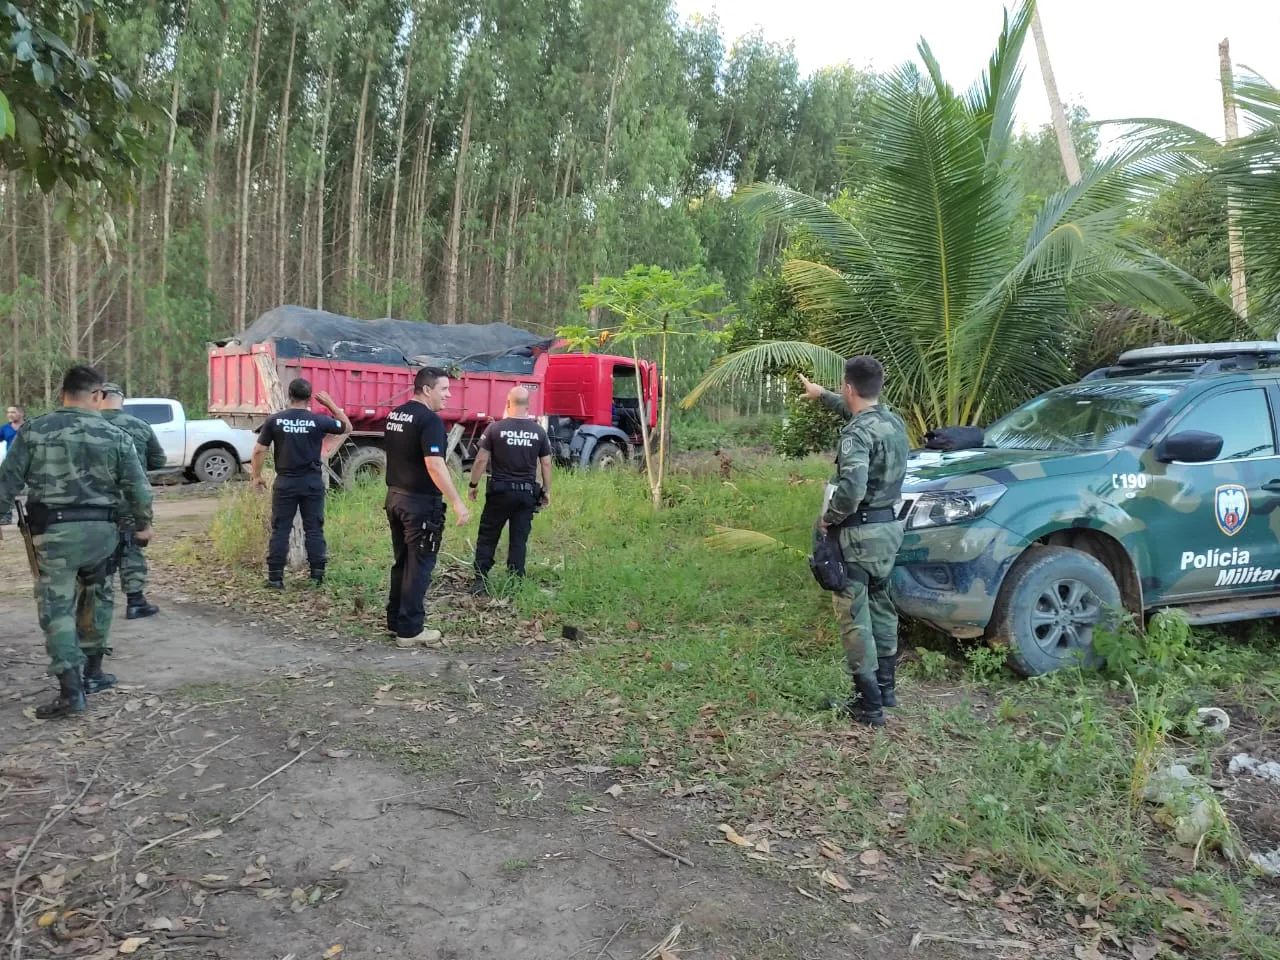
(80, 380)
(428, 377)
(865, 376)
(300, 389)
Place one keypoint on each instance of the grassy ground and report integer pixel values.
(699, 667)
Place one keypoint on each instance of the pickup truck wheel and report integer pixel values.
(608, 455)
(215, 465)
(1049, 605)
(364, 463)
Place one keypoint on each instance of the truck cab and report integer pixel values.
(594, 409)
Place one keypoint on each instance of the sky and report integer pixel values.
(1119, 58)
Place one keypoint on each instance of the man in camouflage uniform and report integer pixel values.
(870, 467)
(133, 562)
(77, 469)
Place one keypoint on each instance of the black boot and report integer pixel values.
(275, 579)
(479, 588)
(865, 706)
(95, 681)
(886, 670)
(317, 576)
(138, 607)
(70, 697)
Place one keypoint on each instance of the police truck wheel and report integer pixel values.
(607, 455)
(1048, 608)
(362, 464)
(214, 465)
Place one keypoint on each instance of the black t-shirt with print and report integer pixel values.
(414, 432)
(514, 445)
(297, 436)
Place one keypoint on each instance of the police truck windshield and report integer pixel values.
(1079, 418)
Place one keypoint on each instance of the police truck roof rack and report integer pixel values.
(1193, 359)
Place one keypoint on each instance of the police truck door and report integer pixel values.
(1211, 522)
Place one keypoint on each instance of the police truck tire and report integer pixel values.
(363, 463)
(215, 465)
(607, 455)
(1048, 608)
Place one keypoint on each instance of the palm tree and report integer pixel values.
(924, 266)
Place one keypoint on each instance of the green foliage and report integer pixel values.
(64, 116)
(933, 664)
(1037, 161)
(986, 664)
(1186, 223)
(807, 428)
(926, 267)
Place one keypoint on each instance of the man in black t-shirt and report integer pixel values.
(514, 450)
(297, 437)
(418, 483)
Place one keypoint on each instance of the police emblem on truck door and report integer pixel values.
(1231, 507)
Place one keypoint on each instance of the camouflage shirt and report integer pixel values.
(150, 453)
(74, 458)
(871, 462)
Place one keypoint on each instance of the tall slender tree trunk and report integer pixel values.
(395, 173)
(594, 315)
(72, 314)
(47, 307)
(1235, 238)
(167, 204)
(15, 340)
(91, 308)
(424, 180)
(128, 299)
(353, 210)
(452, 248)
(491, 255)
(508, 267)
(282, 163)
(211, 154)
(304, 241)
(1070, 163)
(324, 160)
(242, 295)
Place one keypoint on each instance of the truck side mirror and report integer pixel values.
(1189, 446)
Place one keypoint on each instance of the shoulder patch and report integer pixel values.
(846, 445)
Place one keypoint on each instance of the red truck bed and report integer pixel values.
(367, 392)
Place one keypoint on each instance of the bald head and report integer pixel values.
(517, 402)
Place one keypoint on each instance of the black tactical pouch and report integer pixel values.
(826, 562)
(432, 532)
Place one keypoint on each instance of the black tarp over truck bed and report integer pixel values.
(495, 347)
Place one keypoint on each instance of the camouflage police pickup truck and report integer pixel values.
(1151, 483)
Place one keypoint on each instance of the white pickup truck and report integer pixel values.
(209, 451)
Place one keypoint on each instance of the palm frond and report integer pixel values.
(755, 361)
(736, 540)
(994, 95)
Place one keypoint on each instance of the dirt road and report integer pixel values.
(251, 791)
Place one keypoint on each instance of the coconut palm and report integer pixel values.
(928, 271)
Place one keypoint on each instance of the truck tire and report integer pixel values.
(608, 455)
(215, 465)
(1048, 608)
(362, 464)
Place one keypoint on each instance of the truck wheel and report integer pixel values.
(608, 455)
(1048, 607)
(215, 465)
(362, 464)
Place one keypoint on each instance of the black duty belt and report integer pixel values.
(41, 516)
(512, 486)
(873, 515)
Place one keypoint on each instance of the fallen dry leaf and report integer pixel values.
(856, 898)
(1087, 952)
(733, 836)
(615, 791)
(805, 893)
(833, 879)
(160, 923)
(46, 919)
(1141, 950)
(870, 858)
(341, 864)
(208, 835)
(133, 943)
(333, 951)
(336, 754)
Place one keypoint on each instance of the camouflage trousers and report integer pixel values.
(74, 590)
(868, 624)
(133, 569)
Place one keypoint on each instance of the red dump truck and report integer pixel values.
(589, 403)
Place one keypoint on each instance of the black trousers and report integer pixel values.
(289, 495)
(416, 523)
(503, 508)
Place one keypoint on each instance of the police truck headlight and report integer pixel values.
(939, 508)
